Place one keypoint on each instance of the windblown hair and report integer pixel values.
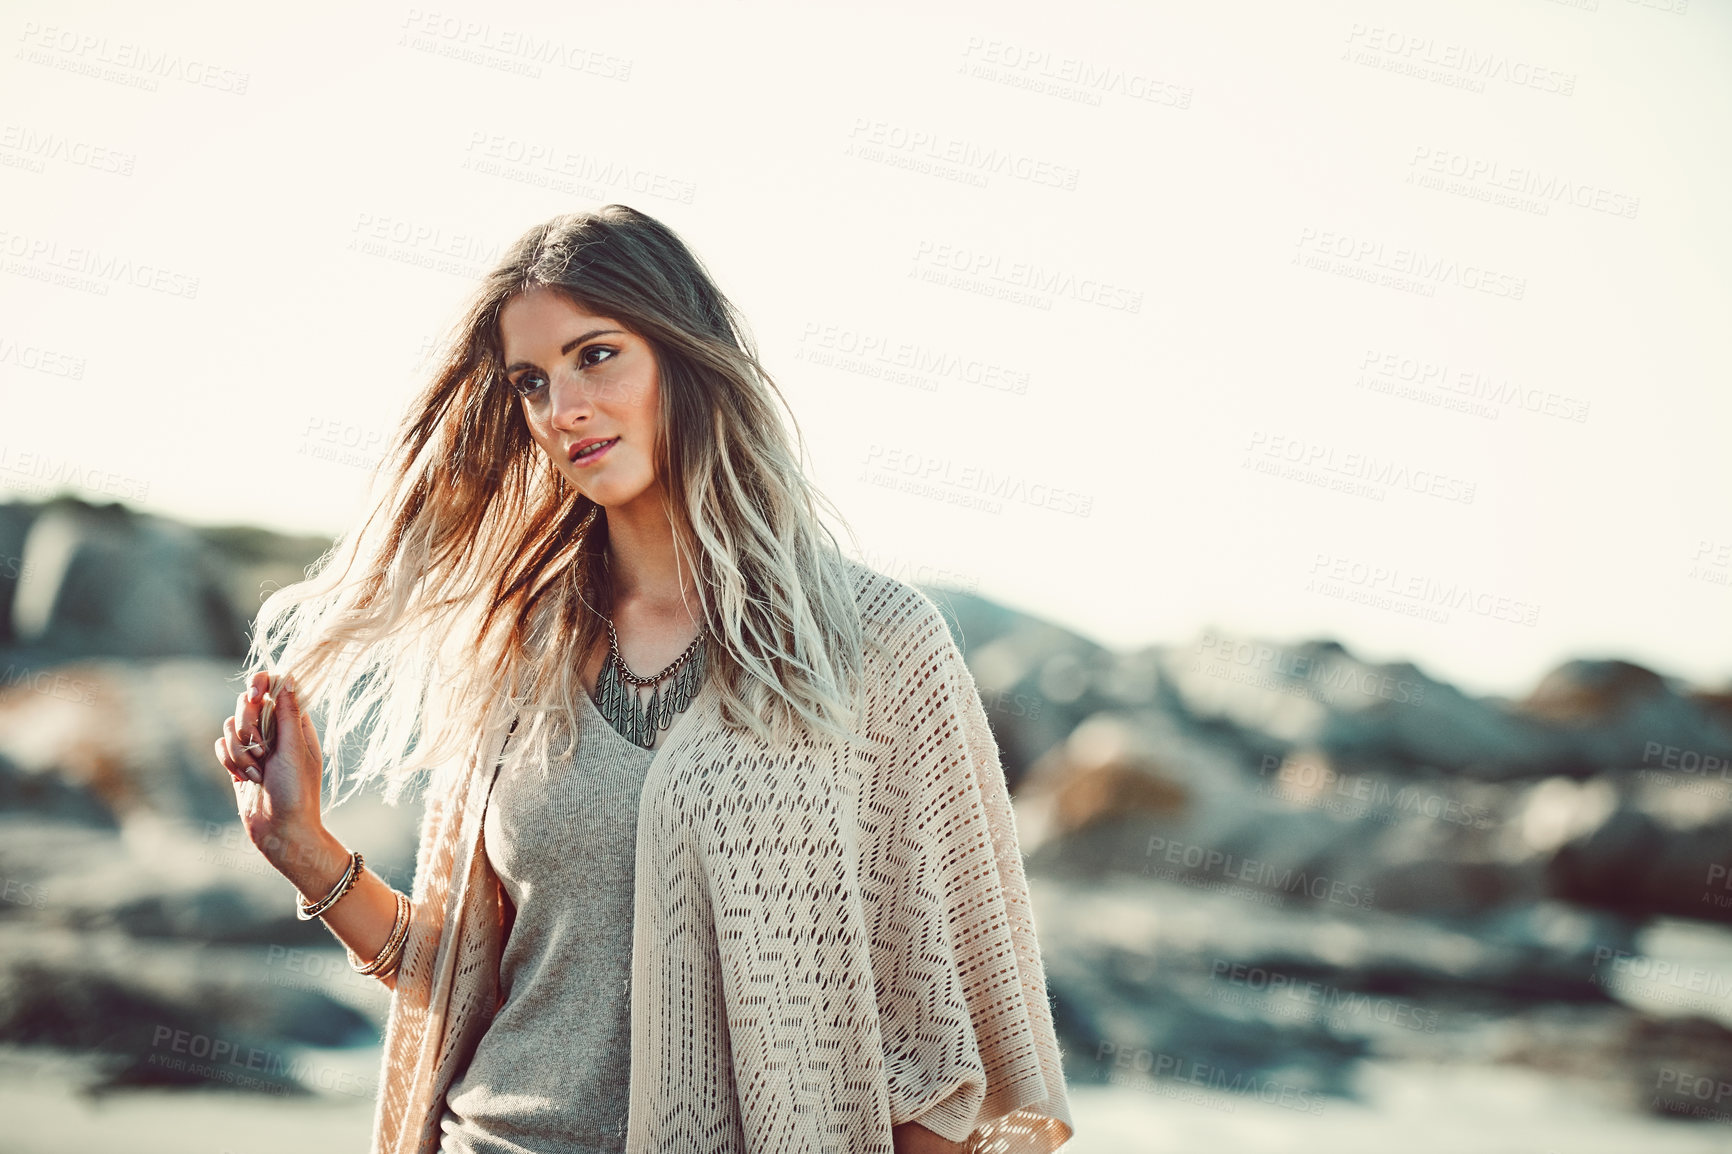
(468, 596)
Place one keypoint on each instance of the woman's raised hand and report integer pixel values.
(277, 790)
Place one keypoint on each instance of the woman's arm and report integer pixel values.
(363, 918)
(280, 813)
(964, 1011)
(913, 1138)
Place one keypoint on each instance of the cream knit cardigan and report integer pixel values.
(825, 944)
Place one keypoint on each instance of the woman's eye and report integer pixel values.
(532, 381)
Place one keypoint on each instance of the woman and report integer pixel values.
(767, 897)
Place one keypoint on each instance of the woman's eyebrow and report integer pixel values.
(569, 345)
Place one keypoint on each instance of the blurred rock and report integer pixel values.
(49, 795)
(1586, 692)
(103, 579)
(1036, 679)
(130, 735)
(143, 1005)
(1679, 1067)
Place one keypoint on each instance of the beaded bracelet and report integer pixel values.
(308, 912)
(391, 953)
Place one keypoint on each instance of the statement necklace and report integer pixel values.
(617, 698)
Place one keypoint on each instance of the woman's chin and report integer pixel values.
(610, 494)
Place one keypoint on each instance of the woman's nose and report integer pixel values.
(569, 398)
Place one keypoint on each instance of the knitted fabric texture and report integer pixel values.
(827, 942)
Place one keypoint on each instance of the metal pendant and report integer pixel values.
(618, 700)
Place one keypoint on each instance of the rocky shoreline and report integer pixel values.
(1261, 870)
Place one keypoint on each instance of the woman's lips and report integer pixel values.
(592, 457)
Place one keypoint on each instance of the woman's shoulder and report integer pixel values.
(895, 616)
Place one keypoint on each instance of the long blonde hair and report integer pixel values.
(468, 594)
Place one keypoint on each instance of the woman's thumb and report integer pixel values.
(288, 707)
(286, 697)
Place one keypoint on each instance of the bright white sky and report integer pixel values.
(1195, 159)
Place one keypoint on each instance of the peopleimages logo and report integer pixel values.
(1426, 57)
(1373, 256)
(1542, 188)
(1466, 387)
(1255, 872)
(66, 474)
(935, 475)
(39, 147)
(1377, 584)
(1316, 999)
(223, 1060)
(140, 65)
(1065, 77)
(1264, 660)
(90, 267)
(888, 142)
(503, 47)
(991, 269)
(1315, 459)
(1152, 1064)
(1375, 798)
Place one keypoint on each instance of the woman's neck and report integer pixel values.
(641, 567)
(654, 602)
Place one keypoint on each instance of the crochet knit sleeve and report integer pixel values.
(969, 1046)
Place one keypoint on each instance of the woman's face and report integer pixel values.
(580, 378)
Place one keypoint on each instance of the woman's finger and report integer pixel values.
(223, 759)
(242, 756)
(247, 702)
(251, 770)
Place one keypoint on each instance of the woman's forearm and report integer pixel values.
(913, 1138)
(363, 917)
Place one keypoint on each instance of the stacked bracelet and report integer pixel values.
(385, 964)
(308, 912)
(391, 953)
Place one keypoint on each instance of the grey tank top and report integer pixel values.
(551, 1072)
